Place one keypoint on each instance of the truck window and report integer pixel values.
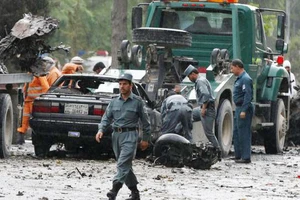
(196, 21)
(258, 25)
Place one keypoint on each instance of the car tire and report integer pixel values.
(172, 38)
(41, 144)
(6, 126)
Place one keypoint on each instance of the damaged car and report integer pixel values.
(69, 114)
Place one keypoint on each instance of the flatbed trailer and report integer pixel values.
(10, 112)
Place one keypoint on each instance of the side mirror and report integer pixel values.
(280, 26)
(279, 45)
(137, 17)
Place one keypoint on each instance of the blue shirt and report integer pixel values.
(121, 113)
(203, 90)
(243, 91)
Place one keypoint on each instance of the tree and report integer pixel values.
(119, 27)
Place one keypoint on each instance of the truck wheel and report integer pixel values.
(224, 126)
(136, 55)
(6, 126)
(224, 54)
(125, 51)
(215, 56)
(274, 138)
(162, 37)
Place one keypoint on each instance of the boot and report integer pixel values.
(20, 138)
(135, 194)
(114, 191)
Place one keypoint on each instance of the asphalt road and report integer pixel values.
(275, 177)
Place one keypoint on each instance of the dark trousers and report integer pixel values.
(242, 134)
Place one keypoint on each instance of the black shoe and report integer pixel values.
(135, 195)
(20, 139)
(111, 195)
(114, 191)
(219, 154)
(246, 161)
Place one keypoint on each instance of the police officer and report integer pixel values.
(124, 113)
(242, 97)
(206, 110)
(176, 116)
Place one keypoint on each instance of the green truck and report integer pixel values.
(208, 34)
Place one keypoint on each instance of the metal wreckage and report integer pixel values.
(173, 150)
(26, 43)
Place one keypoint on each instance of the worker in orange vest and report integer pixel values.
(74, 66)
(54, 73)
(32, 90)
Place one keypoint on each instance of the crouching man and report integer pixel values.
(176, 115)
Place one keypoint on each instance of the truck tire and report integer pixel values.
(172, 38)
(6, 126)
(224, 126)
(274, 138)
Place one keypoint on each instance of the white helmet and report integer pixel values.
(48, 59)
(77, 60)
(287, 63)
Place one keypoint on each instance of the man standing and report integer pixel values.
(242, 97)
(54, 73)
(124, 113)
(32, 90)
(287, 65)
(176, 116)
(206, 110)
(74, 66)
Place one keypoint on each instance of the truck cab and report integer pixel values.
(209, 34)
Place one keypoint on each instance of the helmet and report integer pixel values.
(77, 60)
(48, 59)
(287, 63)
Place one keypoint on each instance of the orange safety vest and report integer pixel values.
(54, 73)
(69, 68)
(38, 86)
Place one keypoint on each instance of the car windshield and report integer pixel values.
(88, 85)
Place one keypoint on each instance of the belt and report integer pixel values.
(124, 129)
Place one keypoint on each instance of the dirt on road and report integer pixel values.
(275, 177)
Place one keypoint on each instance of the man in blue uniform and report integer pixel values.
(242, 97)
(124, 113)
(206, 110)
(176, 116)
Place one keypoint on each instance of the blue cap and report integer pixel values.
(189, 70)
(126, 77)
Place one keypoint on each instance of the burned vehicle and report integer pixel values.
(173, 150)
(69, 114)
(21, 50)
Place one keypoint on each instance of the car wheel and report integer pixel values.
(41, 144)
(274, 138)
(162, 37)
(6, 126)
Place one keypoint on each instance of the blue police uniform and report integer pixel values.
(124, 116)
(242, 97)
(176, 116)
(204, 94)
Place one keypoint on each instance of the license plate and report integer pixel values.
(73, 134)
(72, 108)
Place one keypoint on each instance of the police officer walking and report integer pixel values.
(124, 113)
(176, 116)
(206, 110)
(242, 97)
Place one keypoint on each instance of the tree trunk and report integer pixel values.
(119, 28)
